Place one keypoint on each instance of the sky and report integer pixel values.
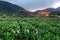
(36, 4)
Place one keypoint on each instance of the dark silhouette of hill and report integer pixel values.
(57, 11)
(10, 9)
(9, 6)
(52, 10)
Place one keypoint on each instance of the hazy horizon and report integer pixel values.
(33, 5)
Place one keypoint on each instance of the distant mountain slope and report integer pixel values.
(58, 9)
(9, 9)
(52, 10)
(9, 6)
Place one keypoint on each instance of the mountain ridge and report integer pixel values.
(9, 6)
(10, 9)
(52, 10)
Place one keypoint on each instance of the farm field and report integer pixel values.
(30, 28)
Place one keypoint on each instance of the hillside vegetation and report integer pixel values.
(12, 10)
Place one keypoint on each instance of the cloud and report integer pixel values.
(34, 4)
